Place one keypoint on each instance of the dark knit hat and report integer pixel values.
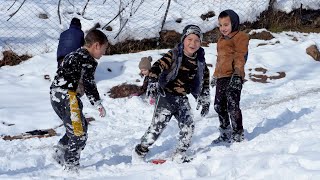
(145, 63)
(191, 29)
(76, 22)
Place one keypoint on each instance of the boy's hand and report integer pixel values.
(213, 82)
(102, 111)
(152, 90)
(236, 82)
(205, 110)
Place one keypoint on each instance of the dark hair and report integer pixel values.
(94, 36)
(223, 14)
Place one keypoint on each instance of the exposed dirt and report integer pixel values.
(264, 77)
(123, 90)
(11, 58)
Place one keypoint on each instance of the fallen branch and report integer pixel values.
(42, 133)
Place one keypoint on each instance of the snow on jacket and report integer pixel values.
(76, 64)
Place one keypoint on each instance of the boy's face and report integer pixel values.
(225, 25)
(98, 50)
(191, 44)
(145, 72)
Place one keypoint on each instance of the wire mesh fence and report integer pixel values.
(33, 27)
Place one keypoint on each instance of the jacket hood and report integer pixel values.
(235, 21)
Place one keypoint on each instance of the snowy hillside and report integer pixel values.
(281, 121)
(23, 31)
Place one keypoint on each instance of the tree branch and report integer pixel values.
(59, 3)
(11, 5)
(165, 15)
(84, 9)
(11, 15)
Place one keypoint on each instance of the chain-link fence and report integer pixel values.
(34, 27)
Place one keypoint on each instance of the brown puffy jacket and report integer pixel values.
(232, 51)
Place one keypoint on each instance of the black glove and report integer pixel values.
(213, 82)
(236, 82)
(205, 109)
(204, 101)
(152, 90)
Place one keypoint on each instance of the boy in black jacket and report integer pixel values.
(66, 102)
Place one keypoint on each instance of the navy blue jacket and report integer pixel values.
(70, 40)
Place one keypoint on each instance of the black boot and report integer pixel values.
(237, 136)
(141, 151)
(224, 137)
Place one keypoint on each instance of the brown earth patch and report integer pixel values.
(123, 90)
(11, 58)
(264, 35)
(263, 78)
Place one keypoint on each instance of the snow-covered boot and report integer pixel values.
(224, 137)
(58, 154)
(72, 168)
(237, 136)
(180, 157)
(138, 154)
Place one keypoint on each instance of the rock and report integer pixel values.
(313, 52)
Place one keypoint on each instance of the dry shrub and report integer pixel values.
(264, 35)
(10, 58)
(124, 90)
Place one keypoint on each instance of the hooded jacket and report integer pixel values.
(70, 40)
(166, 71)
(232, 50)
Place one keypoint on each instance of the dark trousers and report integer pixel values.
(165, 108)
(227, 104)
(68, 107)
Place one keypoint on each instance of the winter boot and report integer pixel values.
(58, 154)
(72, 168)
(237, 136)
(224, 137)
(138, 154)
(141, 151)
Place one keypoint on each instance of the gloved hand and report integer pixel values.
(102, 111)
(205, 109)
(213, 82)
(236, 82)
(152, 90)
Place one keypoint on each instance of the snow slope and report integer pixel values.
(281, 121)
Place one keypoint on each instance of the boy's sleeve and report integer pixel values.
(206, 78)
(241, 50)
(160, 65)
(90, 86)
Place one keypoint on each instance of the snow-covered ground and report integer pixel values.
(281, 121)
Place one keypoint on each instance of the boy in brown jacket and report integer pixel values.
(232, 48)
